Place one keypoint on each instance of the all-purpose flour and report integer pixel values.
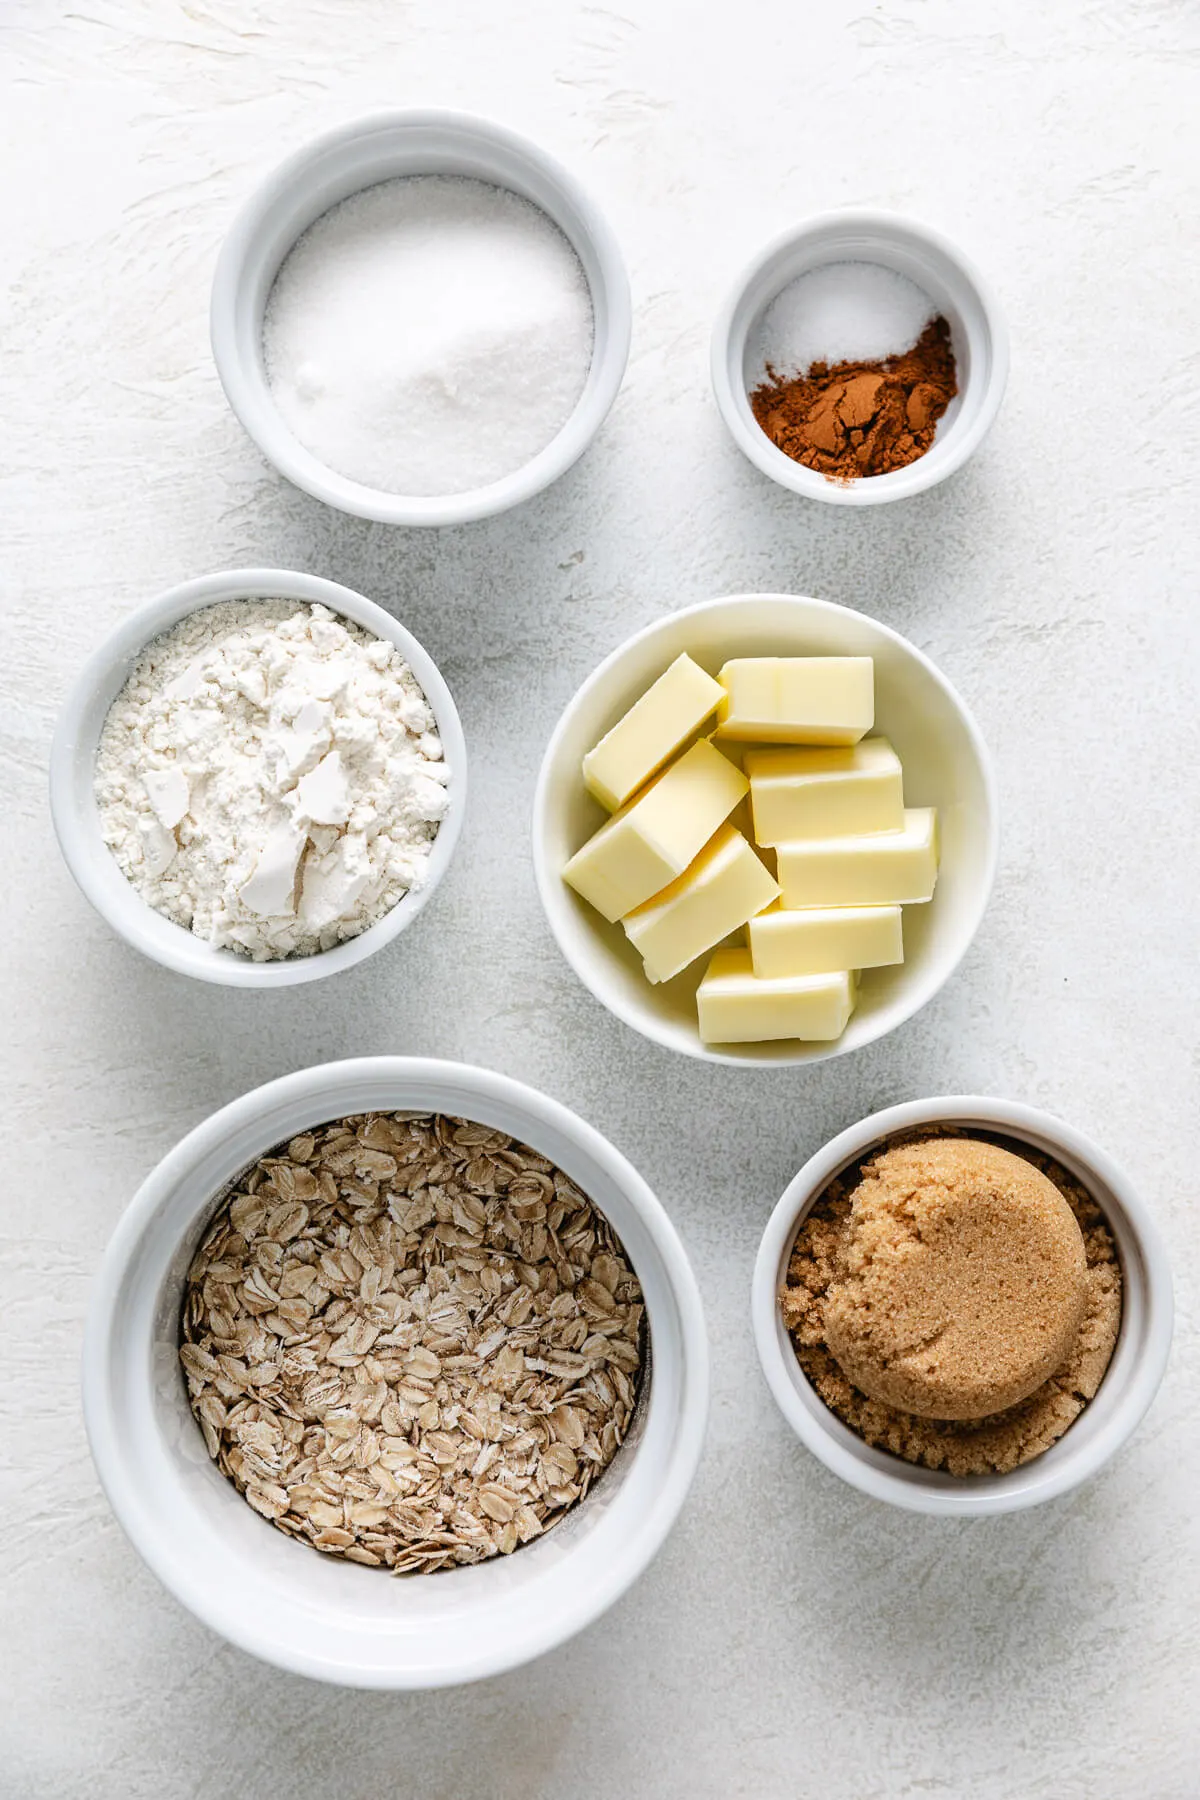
(270, 777)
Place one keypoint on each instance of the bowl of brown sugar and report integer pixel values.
(860, 358)
(962, 1307)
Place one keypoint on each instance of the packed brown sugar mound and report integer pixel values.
(861, 418)
(964, 1281)
(822, 1303)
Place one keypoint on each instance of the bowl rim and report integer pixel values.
(248, 393)
(816, 1429)
(549, 881)
(918, 476)
(123, 909)
(322, 1083)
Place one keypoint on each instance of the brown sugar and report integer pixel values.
(963, 1280)
(997, 1441)
(861, 418)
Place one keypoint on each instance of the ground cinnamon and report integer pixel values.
(861, 418)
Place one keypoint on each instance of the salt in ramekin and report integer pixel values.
(955, 287)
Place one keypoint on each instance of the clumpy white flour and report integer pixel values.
(270, 777)
(429, 335)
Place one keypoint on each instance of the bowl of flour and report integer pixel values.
(421, 318)
(259, 779)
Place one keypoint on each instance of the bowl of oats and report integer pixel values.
(395, 1373)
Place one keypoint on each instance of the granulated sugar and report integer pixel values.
(429, 335)
(843, 312)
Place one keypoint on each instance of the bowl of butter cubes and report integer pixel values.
(765, 830)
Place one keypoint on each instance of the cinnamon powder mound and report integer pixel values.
(861, 418)
(1002, 1440)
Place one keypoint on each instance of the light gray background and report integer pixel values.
(793, 1642)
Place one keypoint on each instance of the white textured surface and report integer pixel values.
(793, 1640)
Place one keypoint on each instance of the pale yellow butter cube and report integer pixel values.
(826, 791)
(725, 886)
(884, 868)
(735, 1006)
(797, 699)
(822, 940)
(651, 732)
(648, 843)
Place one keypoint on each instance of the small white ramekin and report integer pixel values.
(1129, 1384)
(77, 819)
(331, 1619)
(342, 162)
(955, 286)
(946, 764)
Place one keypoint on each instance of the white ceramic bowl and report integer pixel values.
(342, 162)
(1129, 1384)
(77, 819)
(946, 764)
(953, 283)
(275, 1598)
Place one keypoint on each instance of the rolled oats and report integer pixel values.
(410, 1341)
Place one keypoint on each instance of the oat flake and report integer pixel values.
(411, 1341)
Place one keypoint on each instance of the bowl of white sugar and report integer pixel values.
(421, 318)
(259, 779)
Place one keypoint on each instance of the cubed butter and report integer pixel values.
(651, 732)
(822, 940)
(642, 848)
(797, 699)
(725, 886)
(884, 868)
(825, 792)
(735, 1006)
